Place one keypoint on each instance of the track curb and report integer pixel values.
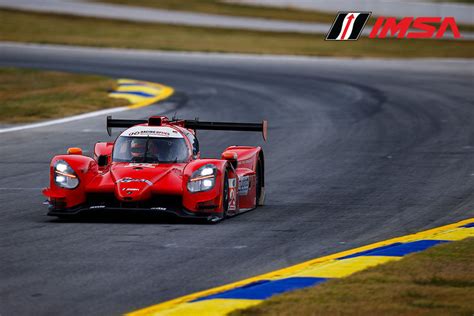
(141, 93)
(155, 92)
(224, 299)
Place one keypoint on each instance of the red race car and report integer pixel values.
(155, 165)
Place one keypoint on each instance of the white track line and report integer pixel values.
(19, 189)
(64, 120)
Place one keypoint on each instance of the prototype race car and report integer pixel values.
(155, 165)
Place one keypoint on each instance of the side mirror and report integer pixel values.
(103, 160)
(231, 157)
(74, 151)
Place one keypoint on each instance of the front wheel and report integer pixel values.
(225, 196)
(214, 219)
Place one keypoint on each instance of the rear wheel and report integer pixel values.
(260, 194)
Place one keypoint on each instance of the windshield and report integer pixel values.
(150, 150)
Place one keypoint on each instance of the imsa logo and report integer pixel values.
(348, 26)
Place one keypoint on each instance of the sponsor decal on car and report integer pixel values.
(154, 132)
(158, 208)
(128, 180)
(232, 195)
(147, 131)
(96, 206)
(244, 183)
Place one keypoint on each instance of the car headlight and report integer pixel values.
(202, 179)
(64, 176)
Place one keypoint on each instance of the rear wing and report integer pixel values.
(191, 124)
(228, 126)
(118, 123)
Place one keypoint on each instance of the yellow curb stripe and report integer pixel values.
(166, 92)
(160, 92)
(289, 271)
(454, 234)
(133, 81)
(214, 307)
(343, 268)
(139, 88)
(130, 97)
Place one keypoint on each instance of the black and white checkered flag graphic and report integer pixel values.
(348, 26)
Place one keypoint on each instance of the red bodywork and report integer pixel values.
(159, 187)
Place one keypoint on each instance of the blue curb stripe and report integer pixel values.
(470, 225)
(139, 93)
(264, 289)
(398, 249)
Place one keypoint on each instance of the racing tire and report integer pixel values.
(260, 194)
(225, 195)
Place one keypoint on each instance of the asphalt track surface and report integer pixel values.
(359, 151)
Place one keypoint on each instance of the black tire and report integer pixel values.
(225, 194)
(258, 181)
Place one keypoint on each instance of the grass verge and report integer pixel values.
(62, 29)
(30, 95)
(455, 1)
(232, 9)
(439, 281)
(236, 9)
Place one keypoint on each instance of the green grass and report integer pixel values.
(70, 30)
(235, 9)
(439, 281)
(454, 1)
(30, 95)
(232, 9)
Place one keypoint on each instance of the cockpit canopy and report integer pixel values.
(142, 144)
(150, 150)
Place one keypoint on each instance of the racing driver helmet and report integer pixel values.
(137, 147)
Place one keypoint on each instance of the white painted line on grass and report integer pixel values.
(64, 120)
